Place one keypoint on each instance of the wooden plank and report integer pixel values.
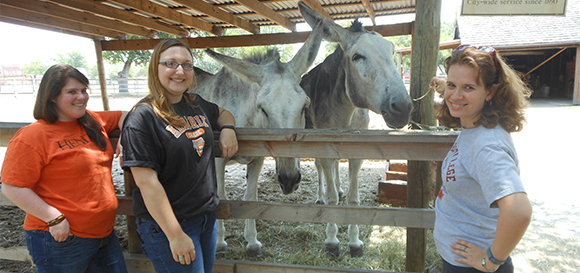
(19, 253)
(220, 14)
(74, 15)
(97, 7)
(268, 13)
(246, 40)
(423, 67)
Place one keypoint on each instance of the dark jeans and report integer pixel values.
(507, 267)
(75, 254)
(202, 230)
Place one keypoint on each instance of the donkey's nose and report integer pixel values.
(289, 184)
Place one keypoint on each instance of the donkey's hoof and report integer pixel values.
(333, 250)
(356, 251)
(320, 201)
(254, 251)
(221, 248)
(341, 196)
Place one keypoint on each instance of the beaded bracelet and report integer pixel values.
(56, 220)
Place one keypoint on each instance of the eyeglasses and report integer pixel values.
(175, 65)
(487, 49)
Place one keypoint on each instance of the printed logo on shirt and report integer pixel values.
(195, 134)
(198, 144)
(450, 174)
(73, 142)
(188, 123)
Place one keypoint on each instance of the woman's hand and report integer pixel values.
(182, 248)
(472, 255)
(61, 231)
(438, 84)
(228, 142)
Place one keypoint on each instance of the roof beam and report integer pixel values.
(317, 7)
(48, 28)
(79, 16)
(171, 15)
(370, 11)
(44, 19)
(247, 40)
(123, 15)
(219, 14)
(268, 13)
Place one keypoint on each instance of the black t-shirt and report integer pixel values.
(182, 156)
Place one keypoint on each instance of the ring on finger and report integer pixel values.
(181, 257)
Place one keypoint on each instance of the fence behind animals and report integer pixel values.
(30, 85)
(358, 144)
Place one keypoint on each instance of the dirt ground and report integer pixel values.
(548, 151)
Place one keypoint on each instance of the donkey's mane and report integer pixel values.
(356, 26)
(270, 55)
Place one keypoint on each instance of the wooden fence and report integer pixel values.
(353, 144)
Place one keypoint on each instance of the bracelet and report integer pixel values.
(56, 220)
(485, 267)
(492, 259)
(227, 126)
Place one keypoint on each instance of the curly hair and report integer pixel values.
(157, 97)
(511, 98)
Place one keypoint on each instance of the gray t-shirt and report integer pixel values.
(481, 168)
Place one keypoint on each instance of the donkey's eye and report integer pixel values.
(357, 57)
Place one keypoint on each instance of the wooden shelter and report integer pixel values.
(107, 23)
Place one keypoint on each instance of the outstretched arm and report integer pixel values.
(228, 140)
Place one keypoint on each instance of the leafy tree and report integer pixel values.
(127, 58)
(73, 58)
(35, 68)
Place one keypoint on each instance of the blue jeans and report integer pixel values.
(202, 231)
(507, 267)
(75, 254)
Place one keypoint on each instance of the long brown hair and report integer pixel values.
(157, 93)
(507, 105)
(53, 80)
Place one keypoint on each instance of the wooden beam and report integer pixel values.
(123, 15)
(246, 40)
(547, 60)
(44, 27)
(442, 46)
(425, 45)
(576, 94)
(79, 16)
(369, 8)
(47, 20)
(219, 14)
(317, 7)
(268, 13)
(171, 15)
(101, 70)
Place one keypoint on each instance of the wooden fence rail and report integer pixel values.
(353, 144)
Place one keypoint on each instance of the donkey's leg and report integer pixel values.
(220, 165)
(254, 247)
(331, 242)
(353, 199)
(337, 181)
(321, 185)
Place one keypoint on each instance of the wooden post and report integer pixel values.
(576, 96)
(101, 69)
(425, 45)
(134, 245)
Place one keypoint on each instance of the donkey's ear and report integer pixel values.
(241, 67)
(332, 31)
(307, 53)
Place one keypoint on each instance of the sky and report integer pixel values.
(21, 45)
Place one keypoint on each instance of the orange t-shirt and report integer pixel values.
(68, 171)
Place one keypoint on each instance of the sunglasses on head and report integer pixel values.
(487, 49)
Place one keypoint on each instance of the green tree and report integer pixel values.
(35, 68)
(73, 58)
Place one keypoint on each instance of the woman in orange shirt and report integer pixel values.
(58, 170)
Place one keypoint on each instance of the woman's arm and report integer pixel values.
(160, 209)
(228, 140)
(119, 148)
(31, 203)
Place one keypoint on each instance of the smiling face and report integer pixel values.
(175, 81)
(465, 94)
(71, 102)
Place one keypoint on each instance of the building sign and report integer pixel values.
(514, 7)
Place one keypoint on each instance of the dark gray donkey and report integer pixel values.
(359, 76)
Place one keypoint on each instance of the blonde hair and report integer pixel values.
(157, 97)
(507, 105)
